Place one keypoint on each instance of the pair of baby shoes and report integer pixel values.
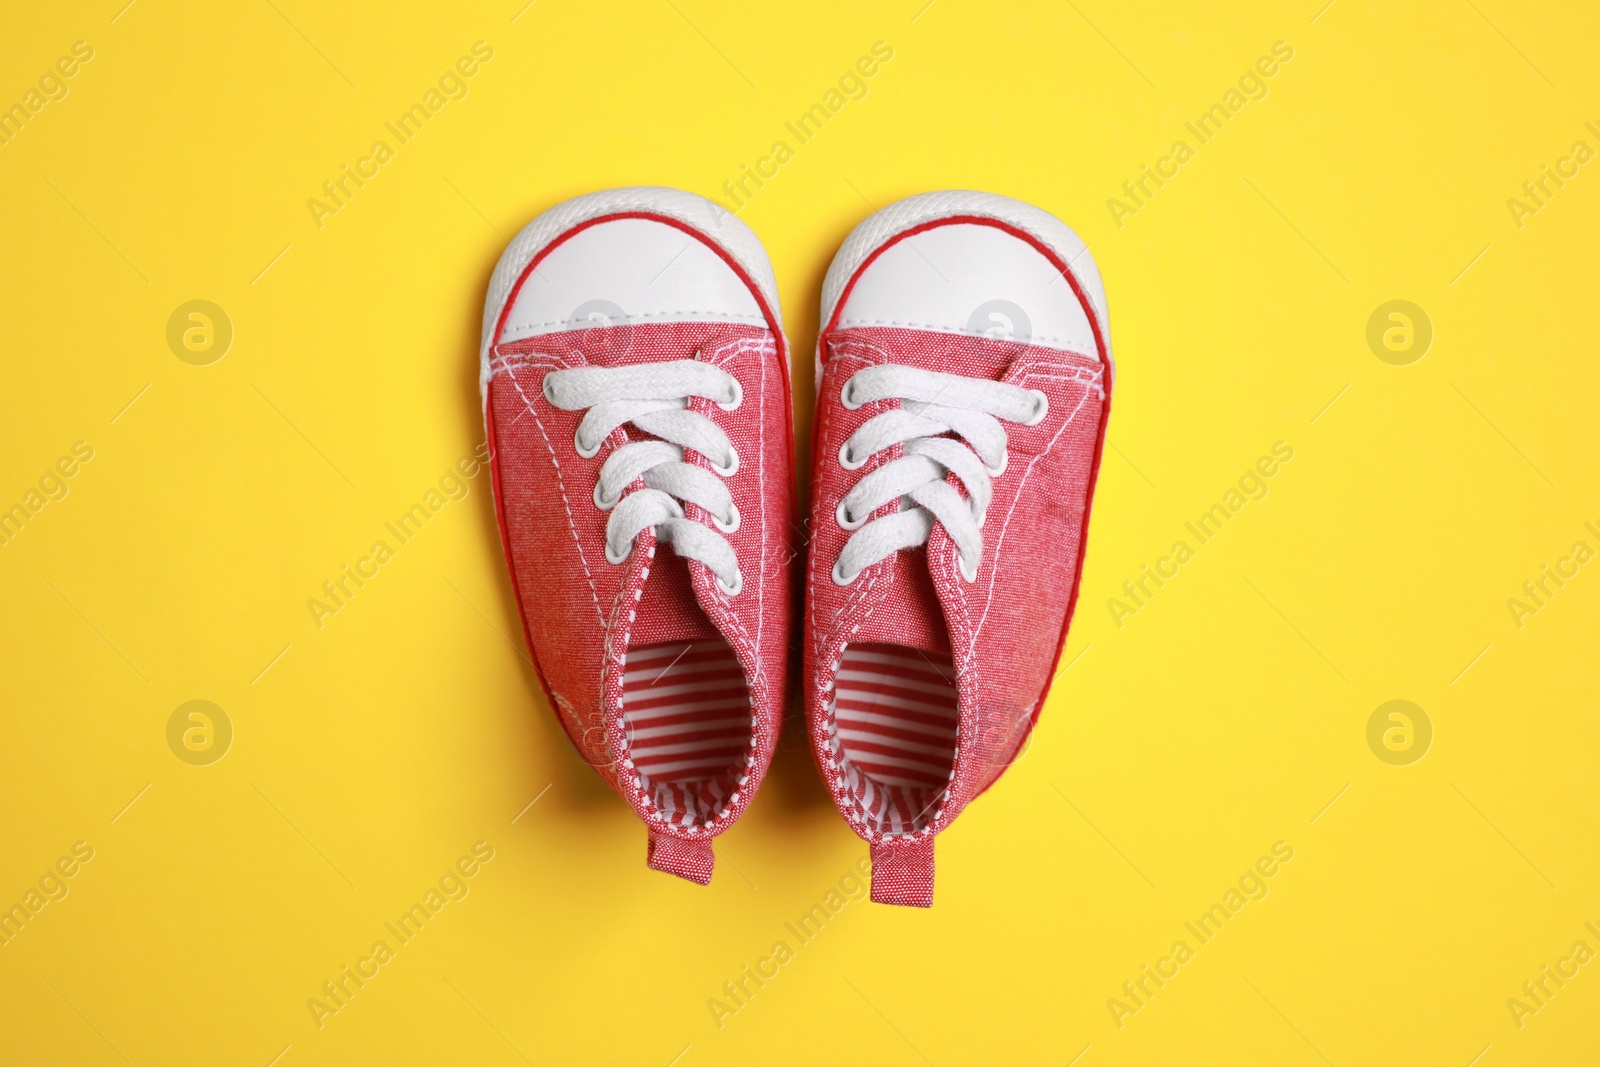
(636, 387)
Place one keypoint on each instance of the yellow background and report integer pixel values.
(1224, 716)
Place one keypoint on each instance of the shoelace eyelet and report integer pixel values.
(738, 398)
(845, 396)
(577, 445)
(1041, 408)
(846, 461)
(731, 525)
(615, 560)
(1005, 461)
(544, 387)
(961, 564)
(601, 502)
(839, 579)
(842, 514)
(732, 590)
(733, 466)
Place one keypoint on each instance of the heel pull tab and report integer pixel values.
(690, 860)
(902, 871)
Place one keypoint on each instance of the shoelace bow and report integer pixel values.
(655, 398)
(933, 405)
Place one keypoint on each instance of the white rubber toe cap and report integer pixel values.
(967, 270)
(629, 271)
(970, 278)
(594, 261)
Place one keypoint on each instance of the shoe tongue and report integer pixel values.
(668, 611)
(910, 614)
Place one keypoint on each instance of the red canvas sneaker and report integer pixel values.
(964, 374)
(636, 391)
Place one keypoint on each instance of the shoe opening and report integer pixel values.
(686, 709)
(895, 712)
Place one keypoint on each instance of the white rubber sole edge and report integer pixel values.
(705, 216)
(913, 211)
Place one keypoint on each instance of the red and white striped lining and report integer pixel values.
(687, 710)
(895, 715)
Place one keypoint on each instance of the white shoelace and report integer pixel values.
(933, 405)
(655, 398)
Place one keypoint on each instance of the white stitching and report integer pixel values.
(572, 522)
(967, 666)
(968, 663)
(858, 813)
(522, 331)
(723, 806)
(1034, 374)
(1074, 347)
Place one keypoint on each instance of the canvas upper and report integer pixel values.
(662, 650)
(954, 324)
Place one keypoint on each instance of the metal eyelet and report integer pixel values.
(961, 563)
(842, 514)
(601, 502)
(839, 579)
(738, 398)
(617, 560)
(1041, 408)
(733, 466)
(732, 590)
(544, 386)
(577, 445)
(730, 526)
(845, 397)
(845, 459)
(995, 472)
